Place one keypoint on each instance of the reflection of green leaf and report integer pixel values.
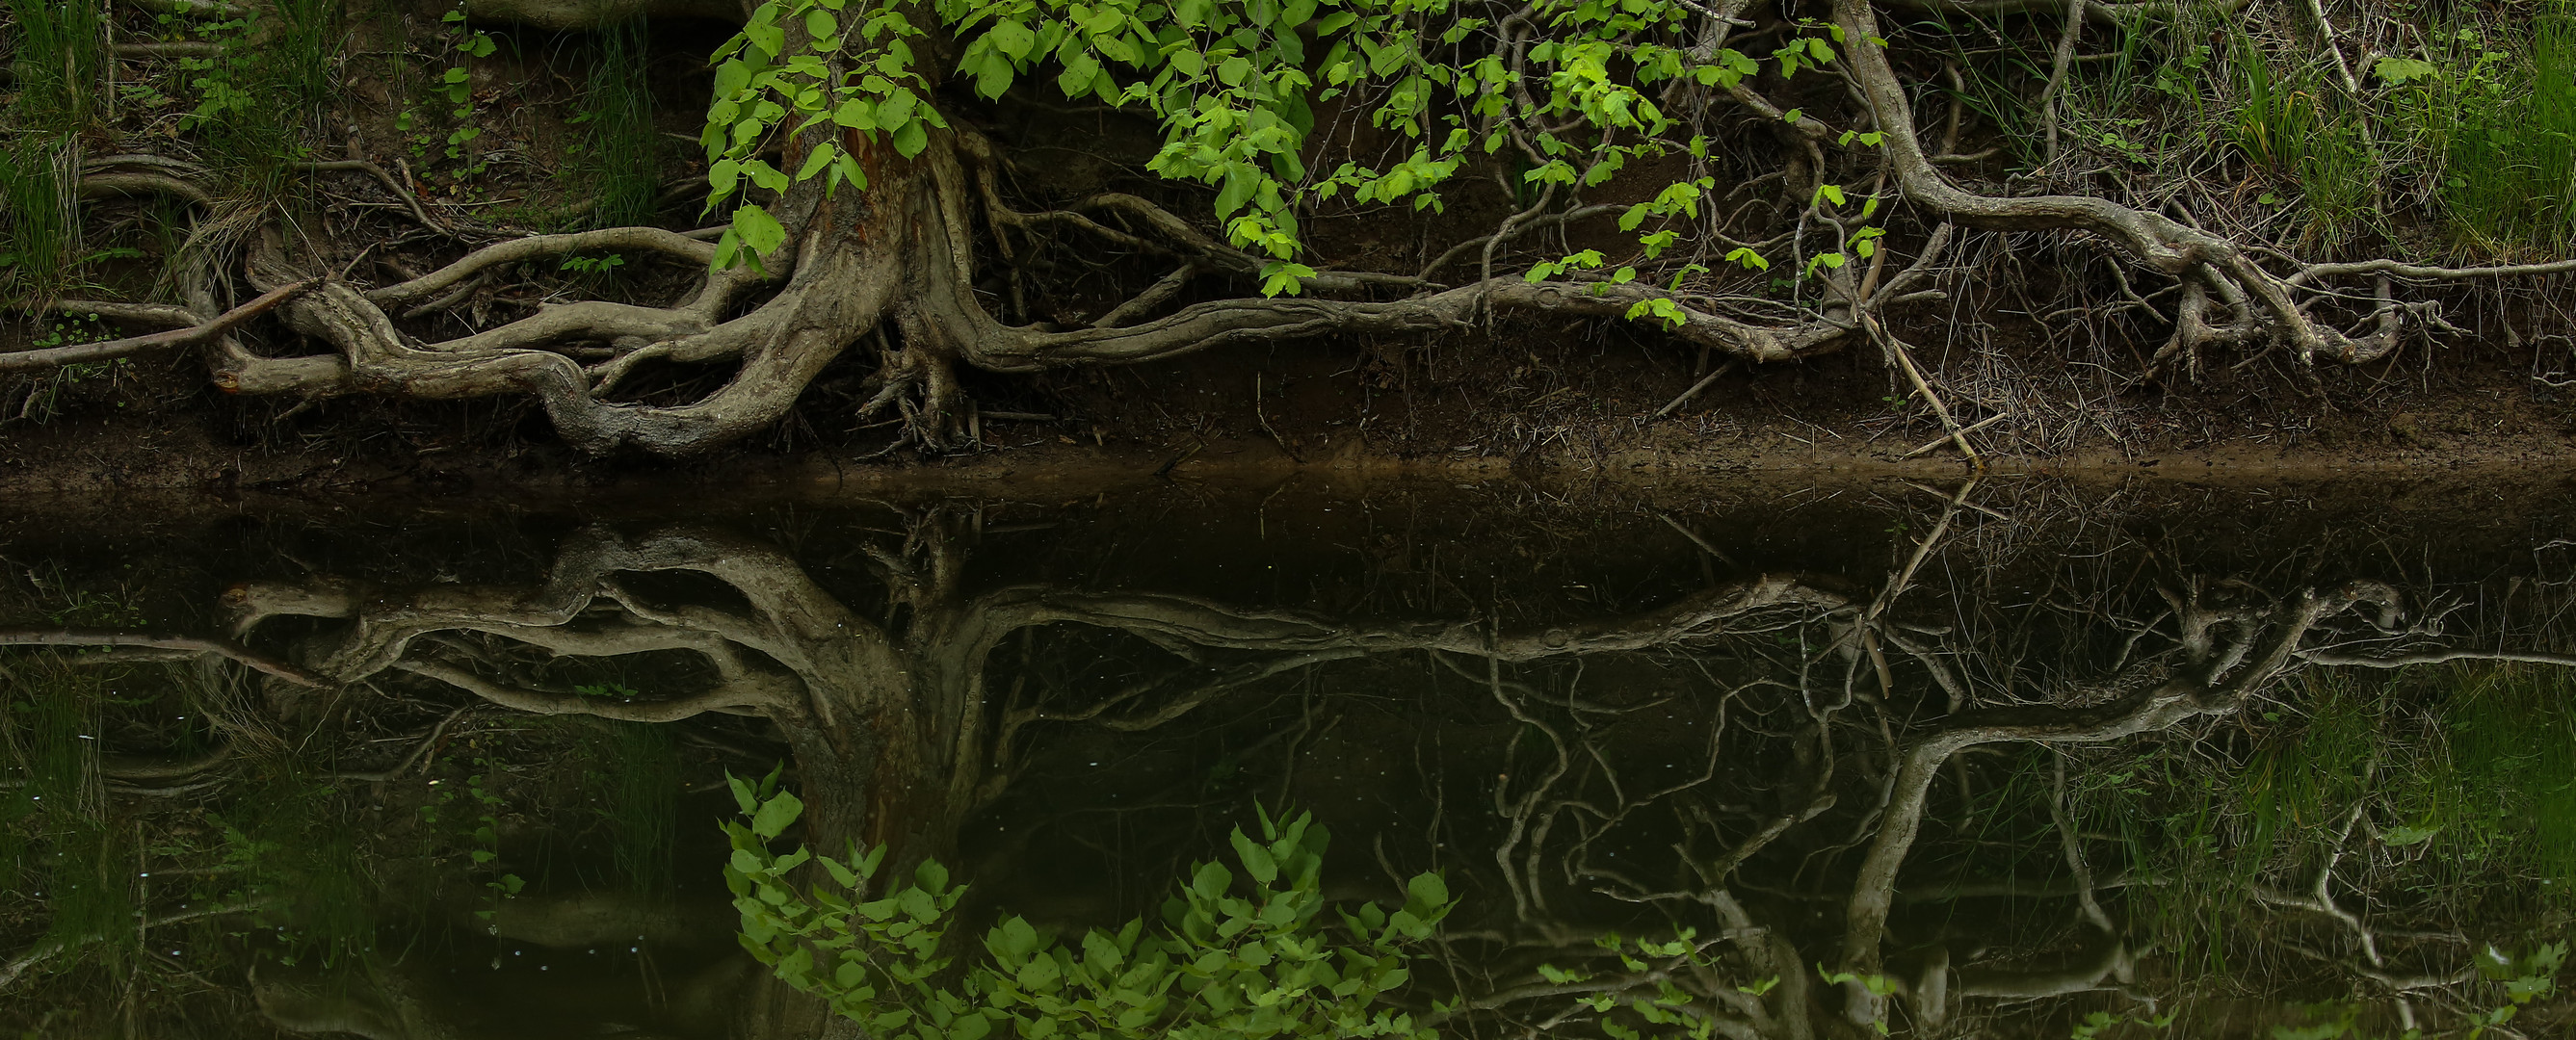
(2401, 836)
(878, 963)
(775, 814)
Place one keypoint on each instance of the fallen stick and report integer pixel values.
(56, 357)
(1952, 438)
(1703, 383)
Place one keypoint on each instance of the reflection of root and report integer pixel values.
(366, 1005)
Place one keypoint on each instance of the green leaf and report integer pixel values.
(855, 113)
(1040, 975)
(1211, 880)
(912, 139)
(1256, 860)
(763, 235)
(777, 813)
(764, 33)
(1428, 890)
(1078, 76)
(764, 175)
(2399, 71)
(815, 161)
(1013, 39)
(847, 170)
(896, 110)
(1240, 182)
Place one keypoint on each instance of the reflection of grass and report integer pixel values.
(2299, 786)
(634, 778)
(69, 843)
(2511, 776)
(2468, 775)
(55, 843)
(283, 835)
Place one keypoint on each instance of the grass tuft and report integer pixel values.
(2511, 159)
(621, 149)
(57, 63)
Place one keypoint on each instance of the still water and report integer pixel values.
(2011, 759)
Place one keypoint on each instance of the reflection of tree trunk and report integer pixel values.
(893, 731)
(899, 735)
(901, 716)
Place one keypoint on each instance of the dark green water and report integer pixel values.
(2014, 760)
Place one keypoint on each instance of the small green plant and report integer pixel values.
(2523, 979)
(39, 398)
(255, 102)
(487, 837)
(482, 841)
(1879, 986)
(456, 85)
(2291, 125)
(1662, 1007)
(1230, 959)
(2101, 1024)
(2328, 1021)
(595, 265)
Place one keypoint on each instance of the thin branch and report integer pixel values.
(229, 651)
(56, 357)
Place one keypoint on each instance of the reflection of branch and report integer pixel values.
(2434, 657)
(722, 698)
(1212, 625)
(189, 644)
(418, 750)
(56, 946)
(161, 767)
(2073, 843)
(2112, 959)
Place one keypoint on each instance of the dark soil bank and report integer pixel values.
(1469, 404)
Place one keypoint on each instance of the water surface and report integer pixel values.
(2011, 759)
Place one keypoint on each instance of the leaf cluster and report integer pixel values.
(1250, 955)
(1569, 92)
